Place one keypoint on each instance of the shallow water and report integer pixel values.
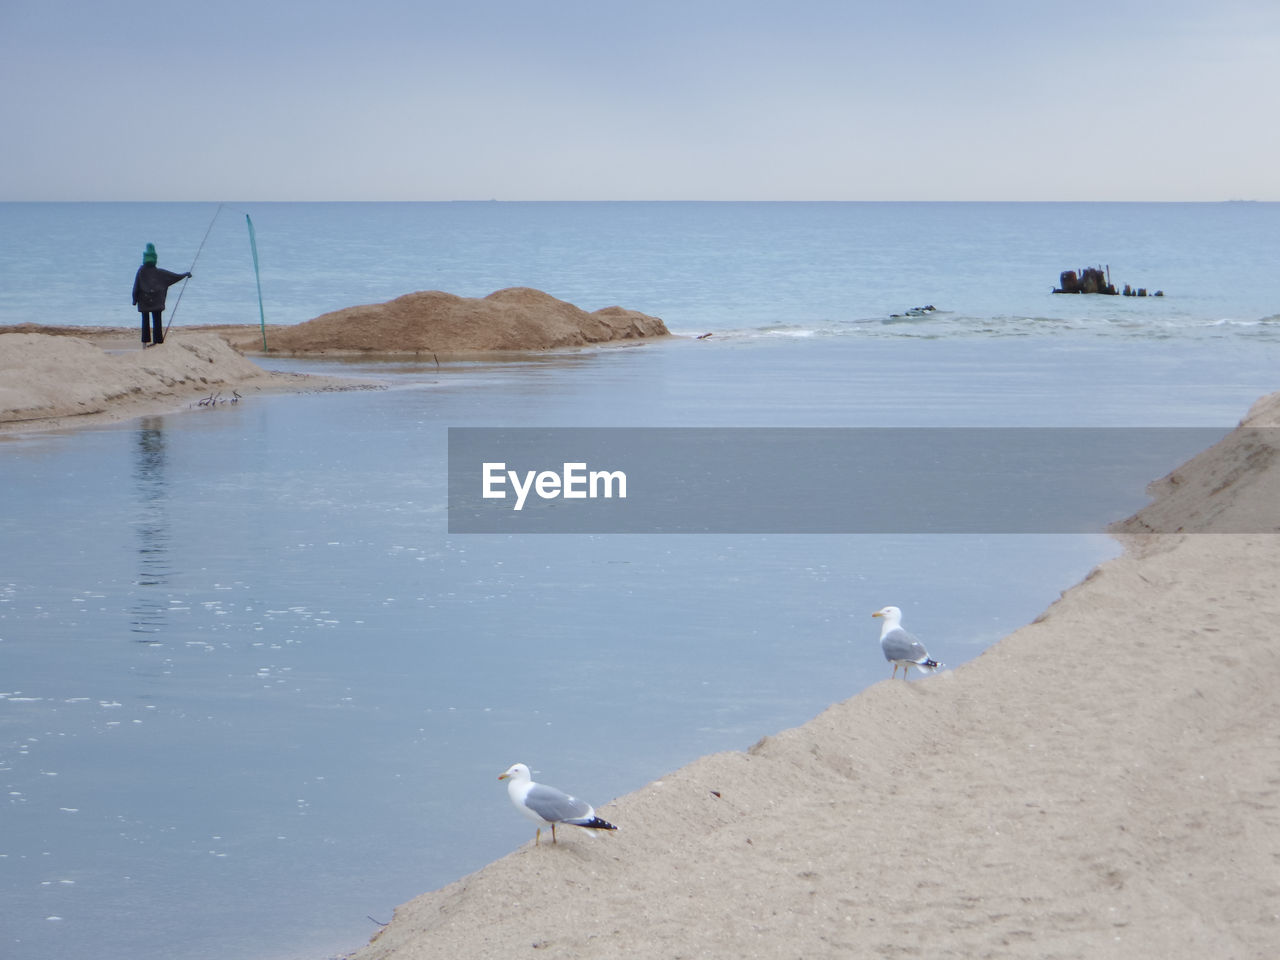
(252, 692)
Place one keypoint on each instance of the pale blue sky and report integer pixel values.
(662, 99)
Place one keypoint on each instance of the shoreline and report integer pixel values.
(59, 378)
(1099, 783)
(244, 339)
(54, 383)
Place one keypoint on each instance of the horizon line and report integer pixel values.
(1227, 200)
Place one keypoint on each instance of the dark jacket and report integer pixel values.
(150, 285)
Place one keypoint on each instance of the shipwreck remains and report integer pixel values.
(1095, 280)
(1088, 280)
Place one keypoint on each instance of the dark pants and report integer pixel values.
(154, 334)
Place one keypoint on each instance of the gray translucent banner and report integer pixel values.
(782, 480)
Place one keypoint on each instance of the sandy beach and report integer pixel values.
(1101, 783)
(52, 381)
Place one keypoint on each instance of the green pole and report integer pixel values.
(253, 245)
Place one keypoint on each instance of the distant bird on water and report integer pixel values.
(547, 806)
(901, 648)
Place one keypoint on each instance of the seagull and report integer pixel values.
(901, 648)
(546, 805)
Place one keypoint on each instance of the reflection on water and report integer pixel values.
(152, 527)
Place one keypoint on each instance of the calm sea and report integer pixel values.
(251, 691)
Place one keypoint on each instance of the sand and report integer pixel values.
(53, 382)
(433, 322)
(1103, 783)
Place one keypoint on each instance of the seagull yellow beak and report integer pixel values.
(877, 614)
(502, 776)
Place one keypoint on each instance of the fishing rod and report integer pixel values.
(174, 312)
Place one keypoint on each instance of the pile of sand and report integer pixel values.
(1102, 783)
(56, 380)
(433, 322)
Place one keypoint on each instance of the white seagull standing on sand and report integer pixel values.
(548, 806)
(901, 648)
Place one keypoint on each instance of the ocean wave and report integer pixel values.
(1234, 322)
(770, 331)
(789, 331)
(952, 325)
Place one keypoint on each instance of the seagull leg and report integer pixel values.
(553, 833)
(537, 836)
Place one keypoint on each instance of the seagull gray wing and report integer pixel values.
(899, 645)
(556, 806)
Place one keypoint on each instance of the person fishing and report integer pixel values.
(149, 288)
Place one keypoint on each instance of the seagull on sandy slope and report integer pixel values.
(548, 806)
(901, 648)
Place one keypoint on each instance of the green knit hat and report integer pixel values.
(149, 255)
